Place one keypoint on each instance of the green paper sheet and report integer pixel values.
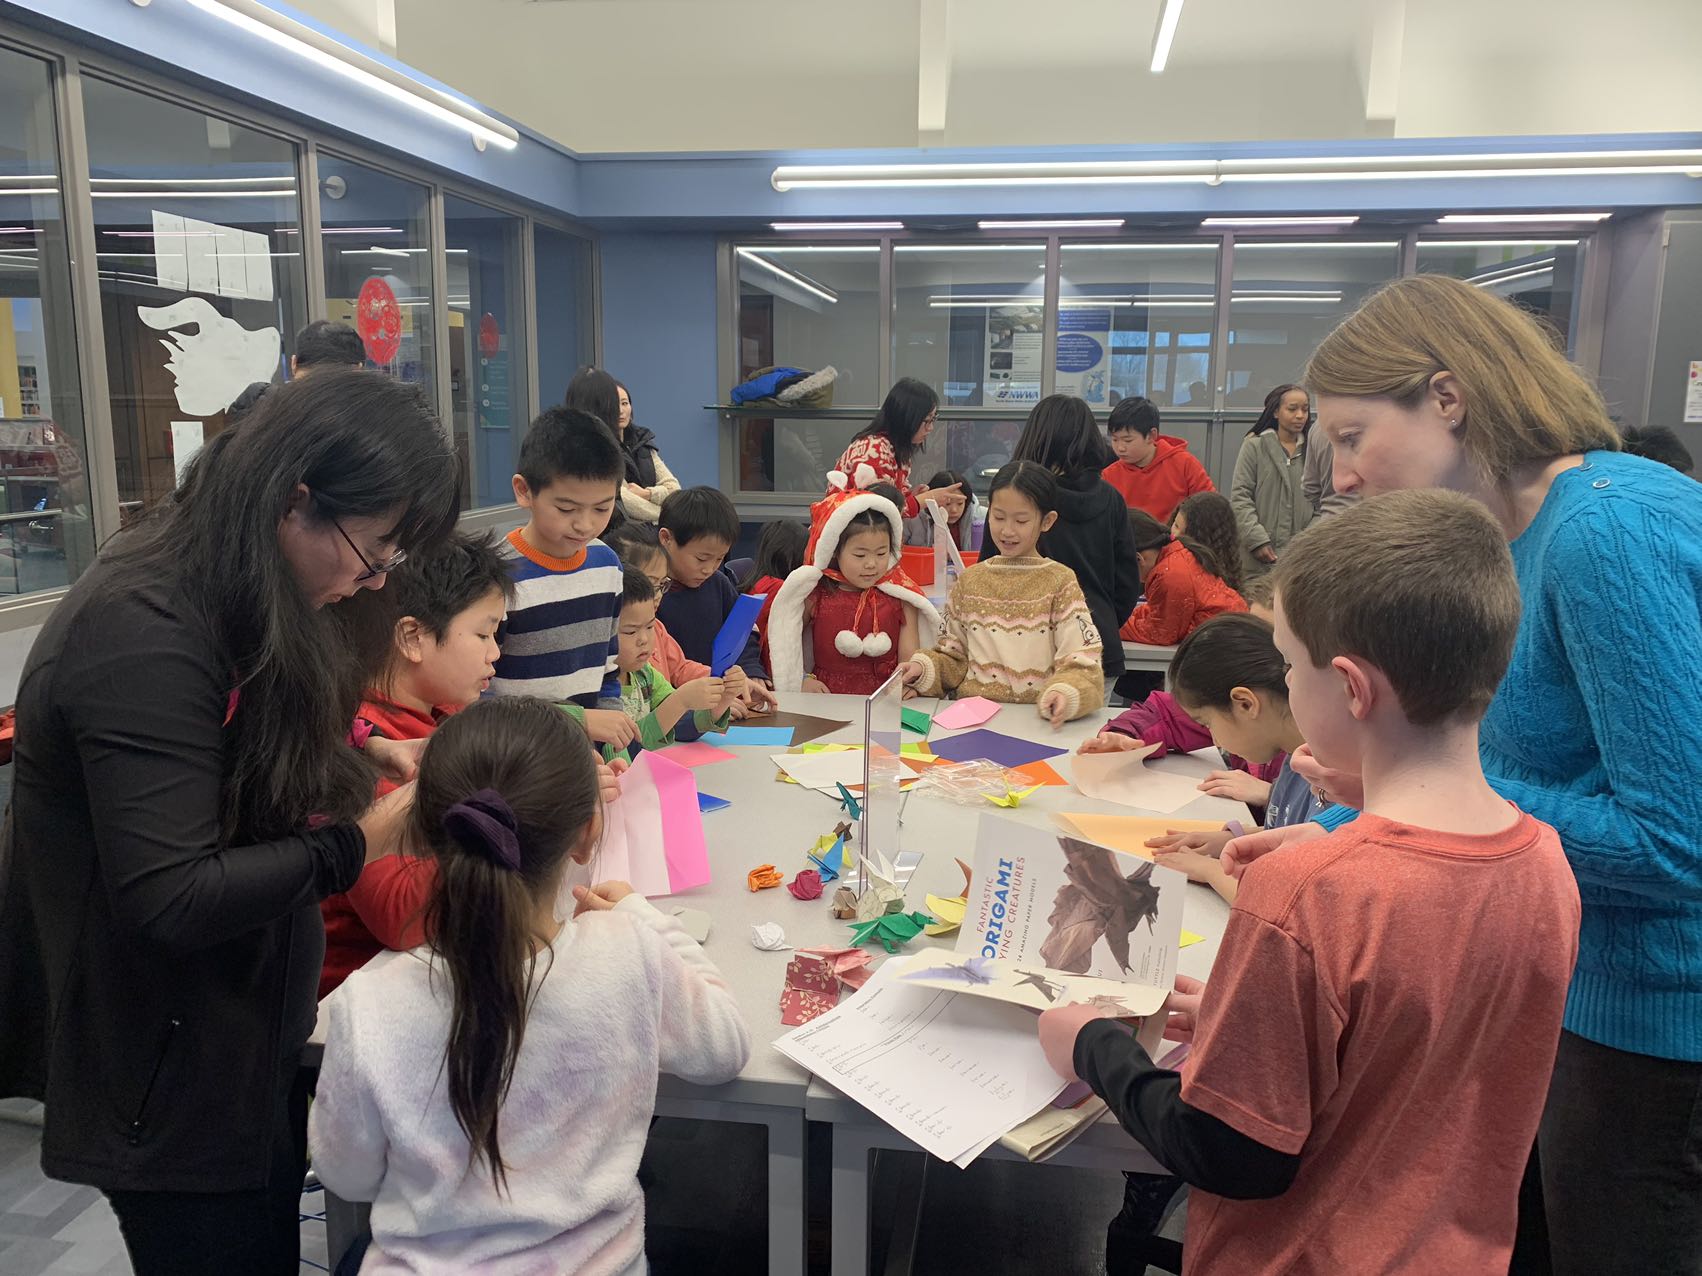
(915, 720)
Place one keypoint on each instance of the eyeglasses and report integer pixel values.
(663, 585)
(373, 570)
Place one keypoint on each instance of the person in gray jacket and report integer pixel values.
(1271, 508)
(1316, 482)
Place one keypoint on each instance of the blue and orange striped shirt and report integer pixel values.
(561, 639)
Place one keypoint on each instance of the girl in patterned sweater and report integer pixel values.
(1017, 628)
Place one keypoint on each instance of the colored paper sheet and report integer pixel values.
(1189, 939)
(695, 754)
(1126, 779)
(971, 712)
(804, 727)
(1127, 833)
(750, 737)
(915, 720)
(916, 749)
(824, 771)
(729, 644)
(994, 746)
(1041, 773)
(653, 832)
(707, 803)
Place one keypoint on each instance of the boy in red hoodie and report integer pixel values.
(1152, 472)
(443, 654)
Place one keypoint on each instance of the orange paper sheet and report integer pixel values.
(1040, 773)
(1128, 833)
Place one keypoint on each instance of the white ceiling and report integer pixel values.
(659, 75)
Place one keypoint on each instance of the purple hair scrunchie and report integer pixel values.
(485, 821)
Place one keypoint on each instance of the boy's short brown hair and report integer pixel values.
(1421, 585)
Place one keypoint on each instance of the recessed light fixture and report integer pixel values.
(790, 276)
(836, 225)
(1068, 223)
(1489, 219)
(1165, 35)
(1279, 221)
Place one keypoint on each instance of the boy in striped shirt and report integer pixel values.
(561, 641)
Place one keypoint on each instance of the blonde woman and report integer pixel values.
(1595, 729)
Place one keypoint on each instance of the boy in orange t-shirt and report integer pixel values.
(1372, 1053)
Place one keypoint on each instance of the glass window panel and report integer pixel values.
(202, 288)
(1285, 298)
(969, 319)
(376, 237)
(562, 264)
(46, 530)
(487, 347)
(976, 448)
(1539, 275)
(1116, 301)
(791, 454)
(812, 306)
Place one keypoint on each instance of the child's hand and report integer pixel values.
(1237, 786)
(911, 671)
(1183, 1006)
(1059, 1028)
(610, 726)
(397, 760)
(733, 684)
(599, 898)
(1110, 742)
(701, 693)
(1242, 851)
(760, 696)
(1211, 844)
(815, 685)
(1345, 787)
(1054, 706)
(386, 821)
(1193, 863)
(609, 779)
(737, 711)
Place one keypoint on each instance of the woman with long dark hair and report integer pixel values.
(185, 795)
(1268, 491)
(889, 443)
(1091, 536)
(649, 481)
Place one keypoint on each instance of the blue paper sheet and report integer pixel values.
(729, 644)
(707, 803)
(763, 737)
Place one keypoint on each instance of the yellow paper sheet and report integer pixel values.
(1189, 939)
(948, 912)
(1127, 833)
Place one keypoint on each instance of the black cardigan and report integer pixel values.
(1092, 538)
(155, 986)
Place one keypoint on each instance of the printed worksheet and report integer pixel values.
(950, 1073)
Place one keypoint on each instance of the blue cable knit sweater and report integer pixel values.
(1597, 730)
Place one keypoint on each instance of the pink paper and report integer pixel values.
(693, 754)
(682, 826)
(966, 713)
(653, 833)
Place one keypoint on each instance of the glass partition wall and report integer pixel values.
(1202, 325)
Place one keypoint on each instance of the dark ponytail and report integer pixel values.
(507, 789)
(1229, 651)
(1149, 533)
(1211, 524)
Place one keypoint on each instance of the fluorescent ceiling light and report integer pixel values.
(1213, 172)
(1166, 34)
(1497, 243)
(191, 181)
(31, 190)
(1256, 245)
(1511, 268)
(797, 250)
(1510, 218)
(963, 248)
(1507, 279)
(287, 193)
(353, 230)
(305, 42)
(1110, 223)
(20, 230)
(790, 276)
(836, 225)
(1279, 221)
(1173, 246)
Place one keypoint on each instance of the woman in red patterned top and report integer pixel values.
(887, 444)
(1184, 586)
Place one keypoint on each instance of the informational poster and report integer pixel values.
(1013, 355)
(1084, 352)
(1693, 395)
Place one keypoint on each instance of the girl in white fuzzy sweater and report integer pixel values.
(491, 1092)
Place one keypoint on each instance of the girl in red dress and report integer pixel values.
(844, 620)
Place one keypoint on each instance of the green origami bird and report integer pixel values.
(894, 930)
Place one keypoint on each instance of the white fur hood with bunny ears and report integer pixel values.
(828, 520)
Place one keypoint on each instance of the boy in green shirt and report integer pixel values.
(647, 697)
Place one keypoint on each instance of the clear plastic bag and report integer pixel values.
(971, 783)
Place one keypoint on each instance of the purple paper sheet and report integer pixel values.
(994, 746)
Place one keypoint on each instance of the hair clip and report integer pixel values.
(486, 822)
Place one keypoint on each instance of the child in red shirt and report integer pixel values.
(1152, 472)
(443, 654)
(1372, 1053)
(1184, 586)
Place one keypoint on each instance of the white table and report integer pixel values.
(770, 822)
(1144, 656)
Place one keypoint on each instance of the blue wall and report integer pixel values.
(659, 338)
